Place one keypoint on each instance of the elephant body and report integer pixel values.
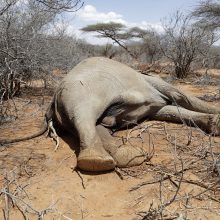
(101, 94)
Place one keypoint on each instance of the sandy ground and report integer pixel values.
(44, 184)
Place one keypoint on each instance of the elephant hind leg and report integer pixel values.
(209, 123)
(92, 155)
(81, 114)
(181, 98)
(125, 155)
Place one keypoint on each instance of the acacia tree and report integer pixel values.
(184, 42)
(115, 31)
(208, 14)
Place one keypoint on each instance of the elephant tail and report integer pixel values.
(27, 137)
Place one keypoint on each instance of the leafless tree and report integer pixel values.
(184, 41)
(62, 5)
(208, 14)
(30, 46)
(108, 50)
(149, 42)
(215, 56)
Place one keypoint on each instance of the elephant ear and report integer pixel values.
(115, 108)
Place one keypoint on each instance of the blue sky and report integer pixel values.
(142, 13)
(138, 10)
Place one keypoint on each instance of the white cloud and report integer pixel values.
(90, 13)
(146, 26)
(155, 26)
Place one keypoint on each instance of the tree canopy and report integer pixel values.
(114, 31)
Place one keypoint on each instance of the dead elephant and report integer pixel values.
(101, 94)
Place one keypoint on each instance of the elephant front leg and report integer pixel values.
(209, 123)
(125, 155)
(92, 156)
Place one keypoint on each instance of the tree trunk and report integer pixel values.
(181, 71)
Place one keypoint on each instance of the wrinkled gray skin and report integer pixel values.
(100, 93)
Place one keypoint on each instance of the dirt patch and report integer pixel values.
(180, 180)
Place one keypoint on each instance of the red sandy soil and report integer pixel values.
(47, 180)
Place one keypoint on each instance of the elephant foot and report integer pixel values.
(128, 156)
(214, 125)
(91, 159)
